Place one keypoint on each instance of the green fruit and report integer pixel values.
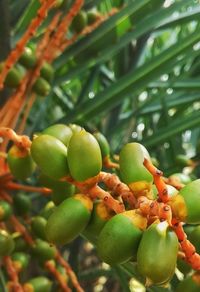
(132, 170)
(103, 143)
(182, 160)
(41, 87)
(100, 215)
(5, 210)
(20, 163)
(119, 239)
(20, 244)
(181, 178)
(75, 128)
(22, 203)
(50, 154)
(183, 266)
(69, 219)
(84, 156)
(6, 243)
(161, 243)
(20, 260)
(60, 189)
(38, 225)
(47, 72)
(189, 284)
(92, 16)
(48, 210)
(79, 22)
(13, 78)
(28, 58)
(195, 238)
(38, 284)
(61, 132)
(186, 204)
(43, 251)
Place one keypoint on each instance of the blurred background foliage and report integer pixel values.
(135, 77)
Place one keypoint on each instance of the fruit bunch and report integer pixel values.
(131, 214)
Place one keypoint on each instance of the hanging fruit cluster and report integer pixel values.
(134, 217)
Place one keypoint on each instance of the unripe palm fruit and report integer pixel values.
(84, 156)
(20, 244)
(189, 284)
(20, 260)
(119, 239)
(50, 154)
(28, 58)
(132, 170)
(41, 87)
(195, 238)
(181, 178)
(75, 128)
(20, 162)
(6, 243)
(92, 16)
(38, 284)
(38, 225)
(59, 131)
(43, 251)
(5, 210)
(47, 72)
(79, 22)
(186, 204)
(103, 143)
(69, 219)
(13, 78)
(22, 203)
(48, 209)
(100, 215)
(61, 190)
(160, 242)
(183, 266)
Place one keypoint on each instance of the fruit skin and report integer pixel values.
(6, 243)
(189, 284)
(132, 170)
(20, 244)
(47, 72)
(48, 210)
(79, 22)
(38, 225)
(92, 16)
(100, 215)
(20, 260)
(69, 219)
(119, 239)
(28, 58)
(195, 238)
(41, 87)
(43, 251)
(186, 205)
(5, 210)
(103, 143)
(59, 131)
(14, 76)
(75, 128)
(38, 284)
(20, 163)
(22, 203)
(84, 156)
(158, 241)
(50, 154)
(60, 189)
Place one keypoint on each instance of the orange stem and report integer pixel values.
(69, 272)
(16, 287)
(21, 229)
(16, 186)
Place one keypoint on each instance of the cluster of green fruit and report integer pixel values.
(82, 19)
(28, 61)
(70, 151)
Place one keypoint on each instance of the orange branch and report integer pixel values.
(16, 287)
(69, 272)
(52, 269)
(21, 229)
(16, 186)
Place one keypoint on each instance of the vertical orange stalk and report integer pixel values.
(16, 287)
(69, 272)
